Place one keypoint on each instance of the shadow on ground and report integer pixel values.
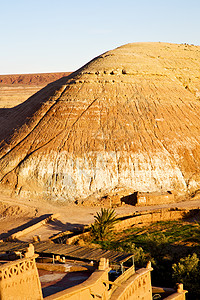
(24, 226)
(69, 280)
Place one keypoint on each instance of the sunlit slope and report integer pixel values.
(129, 118)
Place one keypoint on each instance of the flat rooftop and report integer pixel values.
(69, 251)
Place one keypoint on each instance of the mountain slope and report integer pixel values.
(127, 119)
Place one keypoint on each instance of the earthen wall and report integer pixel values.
(130, 285)
(95, 286)
(137, 287)
(32, 227)
(144, 199)
(19, 280)
(151, 217)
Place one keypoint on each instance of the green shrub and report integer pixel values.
(157, 244)
(187, 271)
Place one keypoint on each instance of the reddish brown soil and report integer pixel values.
(31, 79)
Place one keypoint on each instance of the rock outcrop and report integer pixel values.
(129, 119)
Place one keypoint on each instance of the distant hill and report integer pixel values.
(15, 89)
(31, 79)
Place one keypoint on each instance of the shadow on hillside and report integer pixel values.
(13, 118)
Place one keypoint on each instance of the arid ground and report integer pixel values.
(15, 89)
(16, 212)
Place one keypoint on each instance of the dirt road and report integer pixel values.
(15, 212)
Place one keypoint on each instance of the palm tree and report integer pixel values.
(103, 224)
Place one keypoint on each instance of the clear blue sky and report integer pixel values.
(61, 35)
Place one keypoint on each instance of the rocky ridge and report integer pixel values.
(128, 120)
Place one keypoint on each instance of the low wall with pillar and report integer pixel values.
(122, 278)
(138, 286)
(179, 295)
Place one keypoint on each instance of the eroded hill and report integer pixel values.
(128, 120)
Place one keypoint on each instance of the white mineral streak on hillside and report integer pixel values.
(128, 119)
(65, 176)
